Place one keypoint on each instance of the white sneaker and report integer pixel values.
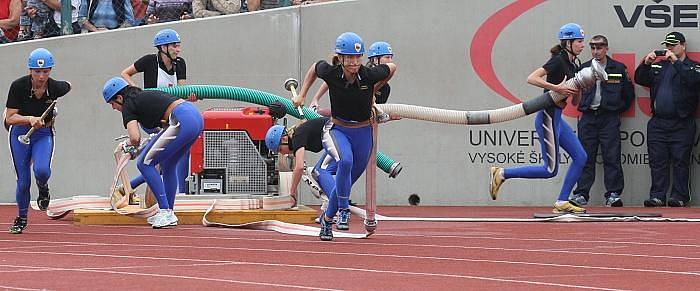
(151, 219)
(164, 218)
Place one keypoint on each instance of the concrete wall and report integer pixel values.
(465, 55)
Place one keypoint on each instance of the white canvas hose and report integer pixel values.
(584, 79)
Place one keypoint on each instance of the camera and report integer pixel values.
(660, 53)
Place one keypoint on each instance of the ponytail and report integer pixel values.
(556, 49)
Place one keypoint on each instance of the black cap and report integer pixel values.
(674, 38)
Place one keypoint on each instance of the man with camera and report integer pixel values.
(673, 79)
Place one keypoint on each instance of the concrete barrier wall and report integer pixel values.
(465, 55)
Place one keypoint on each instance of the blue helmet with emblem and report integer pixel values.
(273, 138)
(166, 36)
(570, 31)
(379, 49)
(40, 58)
(349, 43)
(113, 86)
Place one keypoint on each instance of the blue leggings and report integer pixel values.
(552, 132)
(167, 149)
(350, 148)
(39, 151)
(183, 170)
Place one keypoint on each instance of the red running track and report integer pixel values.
(55, 255)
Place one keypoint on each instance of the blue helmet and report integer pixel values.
(166, 36)
(349, 43)
(379, 49)
(40, 58)
(570, 31)
(113, 86)
(273, 138)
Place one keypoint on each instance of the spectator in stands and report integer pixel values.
(168, 10)
(10, 11)
(254, 5)
(36, 17)
(56, 6)
(139, 7)
(106, 14)
(208, 8)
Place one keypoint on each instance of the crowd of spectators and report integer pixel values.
(33, 19)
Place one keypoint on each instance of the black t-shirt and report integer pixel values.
(559, 66)
(351, 101)
(21, 96)
(382, 95)
(146, 107)
(309, 135)
(147, 65)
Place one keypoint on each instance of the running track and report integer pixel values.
(55, 255)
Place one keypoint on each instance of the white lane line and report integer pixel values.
(432, 237)
(543, 239)
(20, 288)
(369, 243)
(292, 266)
(420, 258)
(92, 270)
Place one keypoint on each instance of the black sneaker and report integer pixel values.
(326, 233)
(19, 225)
(654, 202)
(44, 196)
(677, 203)
(613, 200)
(578, 200)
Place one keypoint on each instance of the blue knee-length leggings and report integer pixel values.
(350, 148)
(167, 149)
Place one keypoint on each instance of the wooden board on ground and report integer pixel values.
(304, 215)
(607, 214)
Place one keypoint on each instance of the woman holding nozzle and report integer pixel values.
(181, 123)
(552, 130)
(29, 98)
(351, 88)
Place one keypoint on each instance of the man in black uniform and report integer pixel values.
(600, 125)
(671, 129)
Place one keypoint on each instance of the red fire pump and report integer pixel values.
(230, 156)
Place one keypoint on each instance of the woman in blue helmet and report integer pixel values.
(552, 130)
(351, 86)
(27, 100)
(296, 140)
(163, 69)
(379, 53)
(181, 123)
